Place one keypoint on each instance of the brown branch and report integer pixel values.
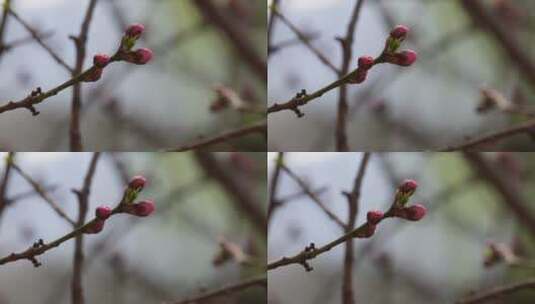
(40, 247)
(42, 193)
(313, 196)
(305, 40)
(498, 292)
(225, 291)
(5, 181)
(235, 35)
(525, 127)
(511, 197)
(347, 54)
(21, 41)
(271, 23)
(3, 24)
(35, 35)
(353, 202)
(80, 42)
(274, 184)
(224, 137)
(240, 194)
(311, 251)
(481, 17)
(77, 294)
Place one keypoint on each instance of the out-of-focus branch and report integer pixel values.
(347, 54)
(239, 193)
(42, 193)
(509, 193)
(3, 24)
(224, 137)
(313, 196)
(80, 42)
(77, 294)
(477, 11)
(5, 181)
(235, 35)
(498, 292)
(305, 40)
(274, 184)
(473, 144)
(353, 197)
(225, 291)
(35, 35)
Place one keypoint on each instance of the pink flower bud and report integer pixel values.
(143, 56)
(135, 30)
(366, 62)
(406, 58)
(140, 56)
(368, 231)
(103, 212)
(359, 76)
(101, 60)
(399, 32)
(94, 75)
(137, 182)
(374, 216)
(143, 208)
(408, 186)
(415, 212)
(94, 227)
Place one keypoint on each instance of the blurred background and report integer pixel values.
(430, 105)
(473, 200)
(134, 108)
(172, 254)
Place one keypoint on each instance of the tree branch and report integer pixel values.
(77, 294)
(225, 291)
(347, 54)
(353, 202)
(498, 292)
(224, 137)
(80, 43)
(525, 127)
(235, 35)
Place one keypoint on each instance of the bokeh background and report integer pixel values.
(166, 256)
(430, 105)
(133, 108)
(436, 260)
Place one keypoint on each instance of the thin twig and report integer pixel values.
(347, 54)
(225, 291)
(494, 137)
(512, 198)
(311, 251)
(313, 196)
(498, 292)
(3, 24)
(241, 195)
(235, 35)
(80, 42)
(274, 184)
(271, 24)
(83, 203)
(39, 40)
(305, 40)
(478, 12)
(224, 137)
(42, 193)
(5, 181)
(353, 197)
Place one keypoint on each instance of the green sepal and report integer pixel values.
(128, 43)
(392, 45)
(131, 195)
